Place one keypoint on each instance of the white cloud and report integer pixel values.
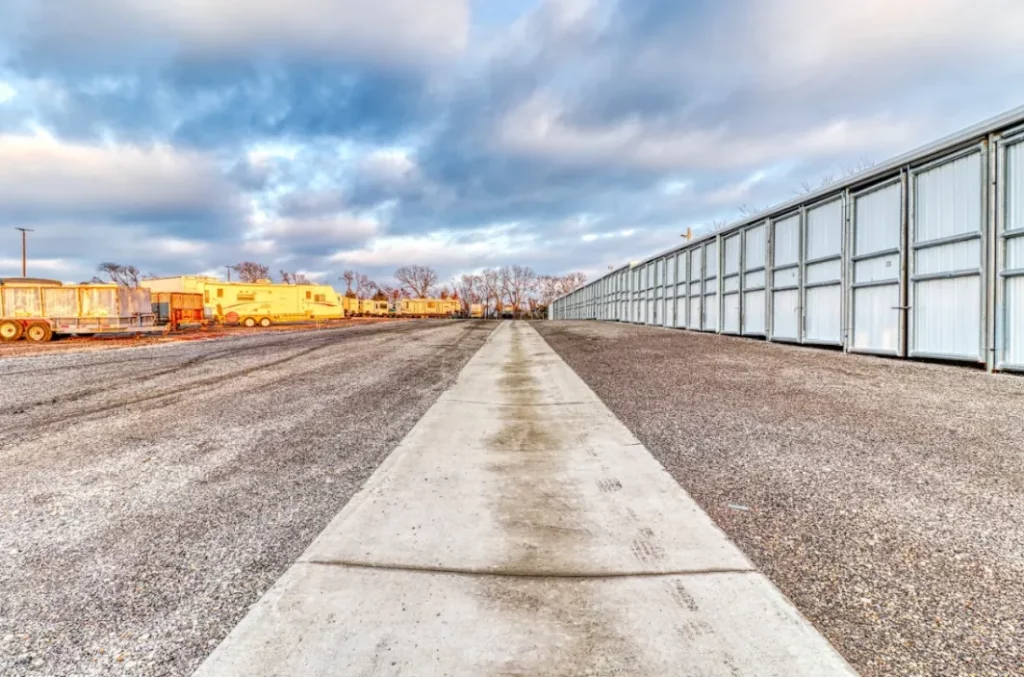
(793, 41)
(445, 249)
(42, 175)
(12, 267)
(322, 231)
(538, 128)
(388, 166)
(388, 30)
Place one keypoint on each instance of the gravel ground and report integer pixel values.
(148, 496)
(885, 498)
(63, 344)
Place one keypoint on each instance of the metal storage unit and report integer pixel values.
(755, 301)
(731, 271)
(1009, 283)
(669, 292)
(658, 293)
(710, 302)
(695, 294)
(947, 258)
(823, 272)
(784, 309)
(876, 308)
(682, 283)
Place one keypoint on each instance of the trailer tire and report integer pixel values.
(249, 322)
(265, 322)
(11, 330)
(38, 332)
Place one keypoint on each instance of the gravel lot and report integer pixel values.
(885, 498)
(149, 495)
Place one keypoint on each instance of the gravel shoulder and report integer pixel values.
(885, 498)
(148, 496)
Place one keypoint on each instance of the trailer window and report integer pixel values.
(320, 298)
(309, 295)
(206, 295)
(220, 292)
(247, 296)
(431, 305)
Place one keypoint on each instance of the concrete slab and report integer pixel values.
(520, 529)
(324, 621)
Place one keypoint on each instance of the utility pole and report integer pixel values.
(229, 273)
(24, 250)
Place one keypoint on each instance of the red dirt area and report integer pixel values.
(211, 333)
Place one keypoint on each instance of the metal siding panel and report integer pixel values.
(710, 313)
(732, 255)
(947, 317)
(786, 241)
(875, 319)
(947, 199)
(946, 320)
(790, 277)
(1011, 320)
(681, 312)
(752, 280)
(825, 230)
(731, 313)
(827, 271)
(731, 284)
(695, 269)
(1014, 322)
(755, 251)
(824, 315)
(877, 269)
(695, 313)
(711, 259)
(786, 315)
(948, 257)
(878, 220)
(753, 313)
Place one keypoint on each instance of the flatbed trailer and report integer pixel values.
(38, 310)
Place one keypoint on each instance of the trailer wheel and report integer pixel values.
(11, 330)
(249, 322)
(265, 322)
(38, 332)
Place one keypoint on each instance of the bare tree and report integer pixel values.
(250, 271)
(294, 278)
(718, 224)
(469, 289)
(417, 280)
(349, 277)
(517, 283)
(125, 276)
(549, 288)
(573, 281)
(491, 289)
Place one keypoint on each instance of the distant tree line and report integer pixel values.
(508, 290)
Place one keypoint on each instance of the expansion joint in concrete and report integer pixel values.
(514, 573)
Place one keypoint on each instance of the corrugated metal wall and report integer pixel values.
(947, 260)
(1010, 259)
(923, 257)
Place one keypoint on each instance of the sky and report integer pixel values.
(317, 136)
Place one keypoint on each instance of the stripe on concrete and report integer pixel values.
(521, 529)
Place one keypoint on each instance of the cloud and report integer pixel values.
(42, 177)
(388, 31)
(317, 236)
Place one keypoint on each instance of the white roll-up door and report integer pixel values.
(947, 259)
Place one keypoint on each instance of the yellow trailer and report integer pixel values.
(256, 303)
(373, 308)
(429, 307)
(476, 310)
